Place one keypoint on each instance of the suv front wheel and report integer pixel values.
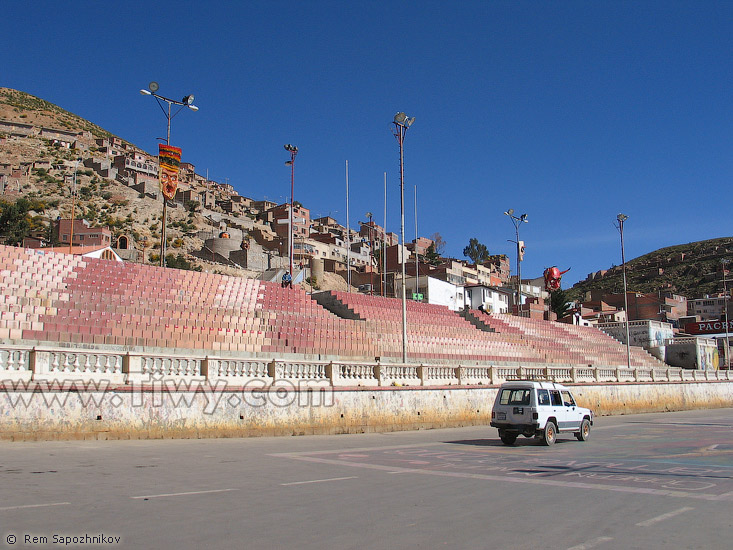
(584, 432)
(549, 435)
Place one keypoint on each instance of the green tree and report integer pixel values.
(559, 303)
(15, 221)
(431, 255)
(477, 252)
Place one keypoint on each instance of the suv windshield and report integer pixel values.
(515, 397)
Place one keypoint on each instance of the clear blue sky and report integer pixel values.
(569, 111)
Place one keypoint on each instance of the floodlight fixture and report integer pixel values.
(153, 87)
(146, 92)
(509, 212)
(622, 218)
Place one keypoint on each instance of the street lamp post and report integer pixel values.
(725, 298)
(187, 101)
(621, 219)
(371, 254)
(293, 150)
(73, 207)
(517, 221)
(401, 123)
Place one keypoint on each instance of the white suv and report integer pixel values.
(539, 409)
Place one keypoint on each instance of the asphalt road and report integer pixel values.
(643, 481)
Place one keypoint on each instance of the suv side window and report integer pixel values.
(556, 399)
(567, 398)
(543, 397)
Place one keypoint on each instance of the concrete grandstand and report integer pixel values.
(56, 298)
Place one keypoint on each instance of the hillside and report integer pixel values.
(692, 270)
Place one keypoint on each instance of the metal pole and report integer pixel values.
(292, 208)
(348, 235)
(417, 268)
(401, 136)
(384, 241)
(519, 272)
(371, 256)
(725, 298)
(621, 219)
(73, 206)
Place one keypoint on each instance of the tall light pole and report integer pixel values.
(73, 207)
(293, 150)
(621, 219)
(417, 258)
(725, 298)
(371, 254)
(517, 221)
(401, 123)
(187, 101)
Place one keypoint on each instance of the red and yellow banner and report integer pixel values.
(169, 158)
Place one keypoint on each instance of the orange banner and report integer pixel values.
(169, 158)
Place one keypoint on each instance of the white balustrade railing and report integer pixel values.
(45, 364)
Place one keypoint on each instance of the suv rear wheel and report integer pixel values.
(550, 434)
(507, 438)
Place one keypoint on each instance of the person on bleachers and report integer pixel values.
(287, 281)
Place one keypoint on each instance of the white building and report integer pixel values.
(492, 300)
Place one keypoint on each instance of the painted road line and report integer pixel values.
(591, 543)
(668, 515)
(185, 494)
(318, 480)
(33, 506)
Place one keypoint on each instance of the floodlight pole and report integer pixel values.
(516, 221)
(293, 150)
(725, 301)
(401, 123)
(621, 219)
(73, 207)
(187, 101)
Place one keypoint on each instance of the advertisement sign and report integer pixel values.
(169, 158)
(708, 327)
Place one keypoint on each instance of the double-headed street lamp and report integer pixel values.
(517, 221)
(187, 101)
(293, 150)
(401, 123)
(621, 219)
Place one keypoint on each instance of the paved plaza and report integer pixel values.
(642, 481)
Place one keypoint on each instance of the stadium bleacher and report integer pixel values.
(53, 297)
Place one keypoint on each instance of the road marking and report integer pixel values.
(591, 543)
(318, 480)
(535, 481)
(668, 515)
(186, 493)
(33, 506)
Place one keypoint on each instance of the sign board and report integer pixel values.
(417, 296)
(708, 327)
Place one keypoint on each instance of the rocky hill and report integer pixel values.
(692, 270)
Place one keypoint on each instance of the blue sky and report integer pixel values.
(569, 111)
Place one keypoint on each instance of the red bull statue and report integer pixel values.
(552, 278)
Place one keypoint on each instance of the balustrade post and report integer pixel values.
(331, 373)
(378, 373)
(574, 374)
(636, 374)
(272, 370)
(421, 373)
(460, 374)
(618, 374)
(132, 368)
(39, 363)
